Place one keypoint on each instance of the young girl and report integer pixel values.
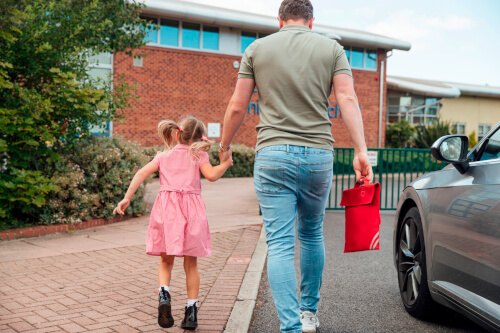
(178, 224)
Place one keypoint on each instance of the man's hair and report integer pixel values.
(296, 10)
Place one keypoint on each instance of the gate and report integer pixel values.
(395, 168)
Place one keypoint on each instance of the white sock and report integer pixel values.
(191, 302)
(164, 287)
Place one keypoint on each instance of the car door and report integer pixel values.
(464, 224)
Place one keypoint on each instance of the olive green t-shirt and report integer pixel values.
(293, 70)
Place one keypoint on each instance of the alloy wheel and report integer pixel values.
(409, 261)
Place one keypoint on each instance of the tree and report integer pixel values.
(47, 98)
(399, 134)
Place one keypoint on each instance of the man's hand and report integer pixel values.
(225, 155)
(362, 167)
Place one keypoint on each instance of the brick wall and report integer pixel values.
(173, 83)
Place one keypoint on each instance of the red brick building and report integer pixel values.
(190, 66)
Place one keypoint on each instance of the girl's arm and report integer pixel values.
(212, 173)
(138, 179)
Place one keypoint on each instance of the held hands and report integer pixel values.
(362, 167)
(122, 205)
(226, 157)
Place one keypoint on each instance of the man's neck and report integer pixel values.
(295, 22)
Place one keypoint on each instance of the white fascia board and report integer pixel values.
(187, 11)
(422, 89)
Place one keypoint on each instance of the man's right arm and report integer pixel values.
(348, 103)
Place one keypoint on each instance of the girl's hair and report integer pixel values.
(192, 132)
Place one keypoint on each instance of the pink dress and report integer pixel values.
(178, 224)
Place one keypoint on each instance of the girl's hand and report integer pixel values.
(122, 205)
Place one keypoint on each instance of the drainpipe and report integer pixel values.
(381, 105)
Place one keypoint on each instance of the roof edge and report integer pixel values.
(422, 89)
(426, 88)
(184, 10)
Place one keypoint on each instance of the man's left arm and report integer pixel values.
(235, 113)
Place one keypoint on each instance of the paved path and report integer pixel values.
(101, 280)
(359, 292)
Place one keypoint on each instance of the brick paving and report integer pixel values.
(114, 290)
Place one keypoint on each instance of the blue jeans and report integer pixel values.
(293, 183)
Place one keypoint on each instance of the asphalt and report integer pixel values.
(359, 292)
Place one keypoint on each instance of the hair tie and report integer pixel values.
(204, 138)
(180, 129)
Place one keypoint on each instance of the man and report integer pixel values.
(294, 70)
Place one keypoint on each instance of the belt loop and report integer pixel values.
(305, 152)
(287, 149)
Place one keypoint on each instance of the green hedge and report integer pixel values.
(243, 158)
(92, 178)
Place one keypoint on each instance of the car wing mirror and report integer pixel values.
(452, 149)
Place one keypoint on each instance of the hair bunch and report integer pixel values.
(191, 132)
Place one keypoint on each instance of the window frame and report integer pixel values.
(110, 67)
(457, 125)
(180, 46)
(348, 49)
(485, 133)
(257, 34)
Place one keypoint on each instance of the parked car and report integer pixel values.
(447, 233)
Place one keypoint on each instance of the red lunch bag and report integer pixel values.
(362, 216)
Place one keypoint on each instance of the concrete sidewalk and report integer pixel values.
(101, 280)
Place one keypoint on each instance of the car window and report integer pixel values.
(492, 149)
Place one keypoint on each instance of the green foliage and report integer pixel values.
(24, 192)
(150, 152)
(243, 161)
(92, 178)
(47, 98)
(399, 134)
(427, 135)
(472, 139)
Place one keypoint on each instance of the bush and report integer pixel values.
(472, 139)
(427, 135)
(243, 161)
(92, 178)
(399, 134)
(150, 153)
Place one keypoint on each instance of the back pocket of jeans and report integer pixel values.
(272, 180)
(320, 181)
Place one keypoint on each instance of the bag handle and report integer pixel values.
(362, 182)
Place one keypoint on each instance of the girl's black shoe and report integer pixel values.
(165, 318)
(190, 321)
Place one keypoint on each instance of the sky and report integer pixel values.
(452, 40)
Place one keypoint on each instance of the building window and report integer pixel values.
(169, 32)
(247, 38)
(418, 110)
(100, 71)
(458, 128)
(361, 58)
(371, 59)
(357, 57)
(482, 131)
(210, 38)
(191, 35)
(152, 36)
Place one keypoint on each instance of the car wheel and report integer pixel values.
(411, 266)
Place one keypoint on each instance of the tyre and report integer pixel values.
(411, 267)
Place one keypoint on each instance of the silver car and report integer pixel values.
(447, 233)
